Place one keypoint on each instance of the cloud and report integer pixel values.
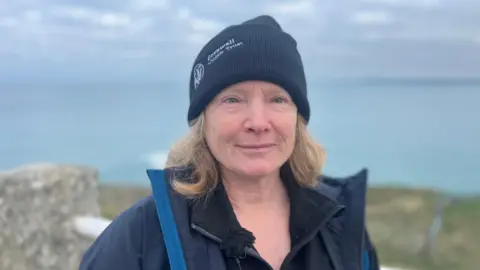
(407, 3)
(8, 22)
(135, 54)
(92, 16)
(351, 38)
(34, 16)
(199, 24)
(150, 5)
(293, 8)
(372, 17)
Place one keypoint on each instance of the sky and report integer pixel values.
(157, 40)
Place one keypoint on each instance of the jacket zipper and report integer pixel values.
(237, 260)
(248, 251)
(307, 239)
(251, 252)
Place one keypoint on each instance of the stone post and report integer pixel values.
(37, 206)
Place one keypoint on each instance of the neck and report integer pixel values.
(247, 192)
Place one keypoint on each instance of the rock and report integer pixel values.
(38, 204)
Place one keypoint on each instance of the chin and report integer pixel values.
(258, 169)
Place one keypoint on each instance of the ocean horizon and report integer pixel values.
(408, 133)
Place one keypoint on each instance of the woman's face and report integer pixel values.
(250, 128)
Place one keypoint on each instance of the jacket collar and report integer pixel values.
(344, 231)
(308, 209)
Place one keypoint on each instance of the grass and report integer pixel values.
(398, 220)
(115, 199)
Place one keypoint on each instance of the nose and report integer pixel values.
(257, 118)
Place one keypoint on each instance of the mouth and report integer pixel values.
(253, 147)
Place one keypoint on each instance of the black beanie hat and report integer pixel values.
(257, 49)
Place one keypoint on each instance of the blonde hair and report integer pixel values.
(306, 162)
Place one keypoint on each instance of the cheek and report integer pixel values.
(218, 132)
(211, 136)
(288, 132)
(287, 127)
(292, 135)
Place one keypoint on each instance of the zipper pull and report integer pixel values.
(237, 260)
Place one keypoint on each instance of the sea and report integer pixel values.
(406, 132)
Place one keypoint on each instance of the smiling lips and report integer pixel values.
(256, 148)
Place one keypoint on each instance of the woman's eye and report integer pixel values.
(231, 100)
(279, 100)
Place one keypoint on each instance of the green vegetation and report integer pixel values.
(398, 220)
(115, 199)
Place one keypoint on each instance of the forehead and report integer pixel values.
(248, 86)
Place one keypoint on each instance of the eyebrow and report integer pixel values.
(268, 89)
(236, 89)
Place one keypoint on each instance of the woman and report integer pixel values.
(245, 189)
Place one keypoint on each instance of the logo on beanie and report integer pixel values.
(227, 46)
(198, 71)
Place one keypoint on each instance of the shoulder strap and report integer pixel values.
(370, 258)
(167, 221)
(366, 260)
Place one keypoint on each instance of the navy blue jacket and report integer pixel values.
(134, 240)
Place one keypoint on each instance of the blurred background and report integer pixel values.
(94, 92)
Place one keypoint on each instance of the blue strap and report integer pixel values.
(366, 260)
(167, 221)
